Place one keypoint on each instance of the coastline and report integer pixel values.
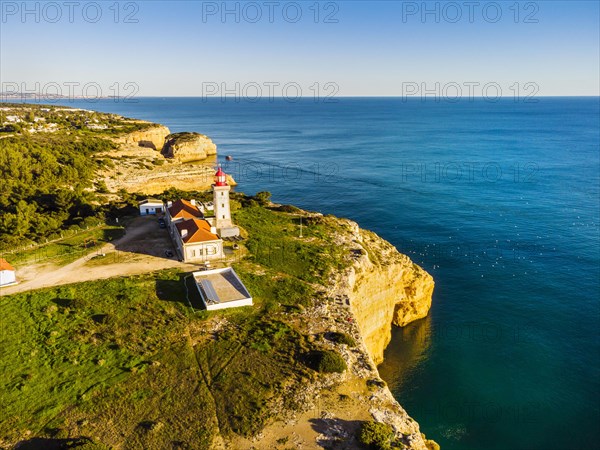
(381, 288)
(385, 288)
(332, 406)
(367, 287)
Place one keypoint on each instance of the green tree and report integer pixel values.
(63, 199)
(25, 214)
(8, 223)
(101, 187)
(45, 180)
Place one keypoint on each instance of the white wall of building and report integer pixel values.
(221, 205)
(151, 209)
(203, 251)
(232, 304)
(7, 277)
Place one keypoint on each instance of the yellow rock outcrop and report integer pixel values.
(384, 287)
(189, 147)
(379, 288)
(152, 137)
(138, 167)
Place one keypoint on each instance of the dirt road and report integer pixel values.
(141, 248)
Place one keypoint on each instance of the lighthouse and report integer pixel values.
(222, 221)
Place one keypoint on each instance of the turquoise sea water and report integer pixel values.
(499, 201)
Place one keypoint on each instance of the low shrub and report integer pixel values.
(263, 198)
(326, 361)
(376, 435)
(313, 220)
(289, 209)
(374, 383)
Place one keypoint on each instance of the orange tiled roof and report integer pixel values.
(197, 231)
(184, 209)
(4, 265)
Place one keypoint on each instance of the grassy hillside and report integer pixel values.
(126, 362)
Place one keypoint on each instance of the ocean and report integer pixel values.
(499, 201)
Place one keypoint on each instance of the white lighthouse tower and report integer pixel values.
(222, 210)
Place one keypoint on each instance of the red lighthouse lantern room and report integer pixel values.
(220, 177)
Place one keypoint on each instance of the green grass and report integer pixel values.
(127, 351)
(68, 249)
(65, 345)
(274, 242)
(129, 363)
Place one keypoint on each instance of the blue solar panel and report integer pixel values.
(209, 292)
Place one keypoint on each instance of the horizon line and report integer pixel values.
(255, 100)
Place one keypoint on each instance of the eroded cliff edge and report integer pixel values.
(152, 160)
(380, 287)
(385, 288)
(152, 136)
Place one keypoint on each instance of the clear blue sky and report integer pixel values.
(370, 48)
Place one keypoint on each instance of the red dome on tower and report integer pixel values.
(220, 177)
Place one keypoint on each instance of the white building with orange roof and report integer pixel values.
(197, 241)
(7, 273)
(180, 210)
(198, 238)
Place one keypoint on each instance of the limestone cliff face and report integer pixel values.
(152, 137)
(384, 288)
(139, 168)
(380, 287)
(188, 147)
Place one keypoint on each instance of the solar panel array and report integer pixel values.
(210, 294)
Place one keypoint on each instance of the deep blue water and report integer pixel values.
(498, 201)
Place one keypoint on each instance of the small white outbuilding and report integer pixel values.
(221, 288)
(151, 206)
(7, 273)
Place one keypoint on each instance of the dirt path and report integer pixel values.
(47, 275)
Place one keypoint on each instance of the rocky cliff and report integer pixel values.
(138, 167)
(381, 287)
(385, 288)
(188, 147)
(152, 137)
